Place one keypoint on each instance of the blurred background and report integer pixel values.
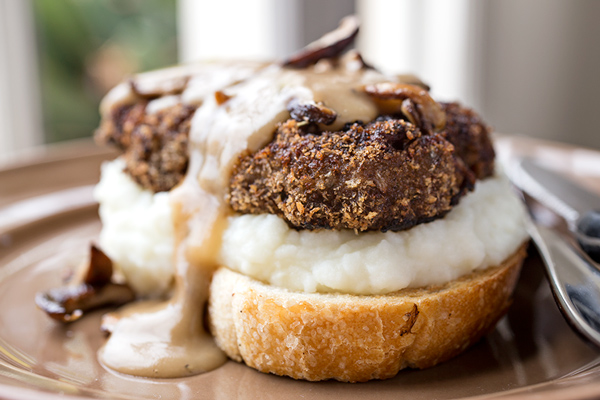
(529, 67)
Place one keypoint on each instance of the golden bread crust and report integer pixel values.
(353, 338)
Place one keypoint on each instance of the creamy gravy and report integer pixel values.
(168, 339)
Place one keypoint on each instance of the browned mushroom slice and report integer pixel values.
(149, 89)
(311, 112)
(328, 46)
(421, 110)
(69, 303)
(409, 109)
(100, 268)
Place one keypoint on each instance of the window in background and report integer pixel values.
(254, 29)
(86, 47)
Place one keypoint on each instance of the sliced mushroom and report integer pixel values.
(69, 303)
(422, 110)
(94, 289)
(150, 89)
(100, 268)
(311, 112)
(328, 46)
(409, 109)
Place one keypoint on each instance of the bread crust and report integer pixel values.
(352, 338)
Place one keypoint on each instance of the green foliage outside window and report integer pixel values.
(87, 46)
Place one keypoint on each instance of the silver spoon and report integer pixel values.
(573, 275)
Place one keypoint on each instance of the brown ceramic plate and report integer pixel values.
(48, 218)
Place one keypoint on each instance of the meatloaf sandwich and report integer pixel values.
(339, 222)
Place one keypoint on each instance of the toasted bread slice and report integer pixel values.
(352, 338)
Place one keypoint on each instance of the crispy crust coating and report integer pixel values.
(155, 145)
(385, 175)
(471, 138)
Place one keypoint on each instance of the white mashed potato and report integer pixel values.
(484, 229)
(137, 232)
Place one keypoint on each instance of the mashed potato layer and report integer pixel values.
(137, 232)
(484, 229)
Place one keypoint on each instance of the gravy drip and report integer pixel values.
(165, 340)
